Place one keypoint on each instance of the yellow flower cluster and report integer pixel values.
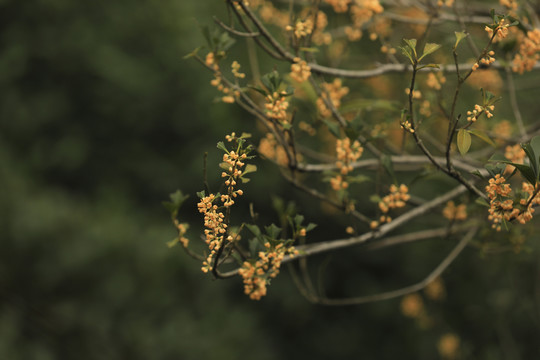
(300, 70)
(233, 173)
(528, 55)
(363, 10)
(276, 106)
(448, 346)
(347, 153)
(412, 305)
(447, 3)
(217, 82)
(301, 28)
(453, 212)
(214, 220)
(215, 228)
(257, 275)
(340, 6)
(435, 81)
(235, 70)
(270, 149)
(478, 110)
(272, 15)
(406, 125)
(396, 199)
(509, 4)
(515, 154)
(501, 30)
(353, 34)
(502, 207)
(416, 94)
(333, 92)
(486, 60)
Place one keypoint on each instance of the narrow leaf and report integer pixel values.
(463, 141)
(482, 135)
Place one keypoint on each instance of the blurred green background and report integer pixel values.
(100, 119)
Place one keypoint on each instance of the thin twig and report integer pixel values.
(408, 289)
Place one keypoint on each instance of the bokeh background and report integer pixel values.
(100, 119)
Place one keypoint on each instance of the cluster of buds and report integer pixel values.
(528, 55)
(339, 6)
(453, 212)
(511, 5)
(515, 154)
(214, 219)
(256, 275)
(406, 125)
(447, 3)
(501, 30)
(215, 228)
(416, 94)
(486, 60)
(435, 81)
(478, 110)
(363, 10)
(301, 28)
(396, 199)
(234, 161)
(217, 82)
(353, 33)
(388, 50)
(300, 70)
(276, 106)
(270, 149)
(346, 153)
(332, 92)
(235, 67)
(504, 208)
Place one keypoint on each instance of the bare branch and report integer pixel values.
(408, 289)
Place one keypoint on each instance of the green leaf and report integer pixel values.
(525, 170)
(482, 135)
(173, 242)
(333, 127)
(386, 162)
(460, 35)
(309, 49)
(411, 43)
(463, 141)
(177, 198)
(258, 89)
(201, 194)
(254, 246)
(358, 179)
(221, 146)
(311, 226)
(434, 66)
(479, 174)
(430, 48)
(494, 169)
(535, 145)
(193, 53)
(272, 231)
(408, 53)
(250, 168)
(298, 220)
(531, 154)
(482, 201)
(254, 229)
